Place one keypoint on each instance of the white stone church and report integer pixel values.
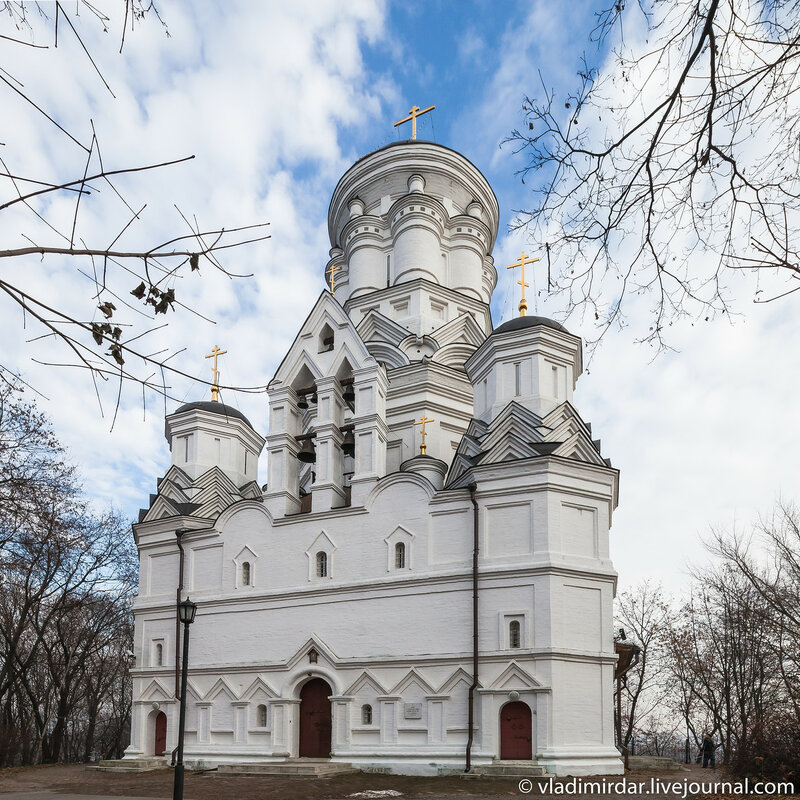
(377, 595)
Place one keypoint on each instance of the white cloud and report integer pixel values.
(704, 436)
(266, 95)
(261, 94)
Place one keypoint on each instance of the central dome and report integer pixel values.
(410, 212)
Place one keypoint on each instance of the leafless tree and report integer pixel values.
(725, 659)
(673, 164)
(67, 575)
(768, 559)
(644, 613)
(130, 288)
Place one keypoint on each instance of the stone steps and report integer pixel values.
(129, 765)
(507, 769)
(306, 768)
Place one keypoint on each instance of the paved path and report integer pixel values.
(58, 796)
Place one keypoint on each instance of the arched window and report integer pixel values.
(513, 633)
(159, 655)
(366, 715)
(400, 555)
(322, 564)
(261, 716)
(246, 573)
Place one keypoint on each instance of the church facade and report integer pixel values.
(424, 583)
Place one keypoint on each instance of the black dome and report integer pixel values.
(518, 323)
(214, 408)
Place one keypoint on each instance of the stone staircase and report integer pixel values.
(292, 768)
(506, 769)
(130, 764)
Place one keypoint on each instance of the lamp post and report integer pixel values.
(186, 611)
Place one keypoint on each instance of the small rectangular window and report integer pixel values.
(555, 381)
(517, 391)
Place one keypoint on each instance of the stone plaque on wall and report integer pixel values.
(412, 710)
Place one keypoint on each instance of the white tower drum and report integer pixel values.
(415, 223)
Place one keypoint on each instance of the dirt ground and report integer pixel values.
(75, 779)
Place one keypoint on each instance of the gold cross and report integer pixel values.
(423, 419)
(413, 113)
(521, 262)
(332, 270)
(214, 386)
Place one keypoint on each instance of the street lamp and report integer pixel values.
(186, 611)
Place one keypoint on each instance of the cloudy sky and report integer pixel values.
(275, 100)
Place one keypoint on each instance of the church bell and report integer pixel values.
(307, 454)
(349, 444)
(302, 402)
(349, 395)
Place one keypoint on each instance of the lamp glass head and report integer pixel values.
(186, 611)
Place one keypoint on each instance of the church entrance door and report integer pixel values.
(160, 744)
(315, 719)
(515, 731)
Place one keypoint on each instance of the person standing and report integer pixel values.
(709, 749)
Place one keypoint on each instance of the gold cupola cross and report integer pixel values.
(413, 113)
(423, 421)
(521, 262)
(215, 385)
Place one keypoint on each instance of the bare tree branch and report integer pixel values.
(675, 165)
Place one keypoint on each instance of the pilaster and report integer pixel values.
(283, 482)
(390, 705)
(327, 491)
(340, 723)
(371, 432)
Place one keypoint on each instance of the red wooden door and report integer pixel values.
(515, 731)
(161, 734)
(315, 719)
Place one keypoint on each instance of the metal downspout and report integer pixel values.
(178, 535)
(474, 685)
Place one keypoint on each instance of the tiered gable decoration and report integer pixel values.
(424, 583)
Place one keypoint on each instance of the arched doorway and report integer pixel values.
(160, 743)
(516, 733)
(315, 719)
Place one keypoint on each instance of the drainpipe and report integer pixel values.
(474, 685)
(178, 535)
